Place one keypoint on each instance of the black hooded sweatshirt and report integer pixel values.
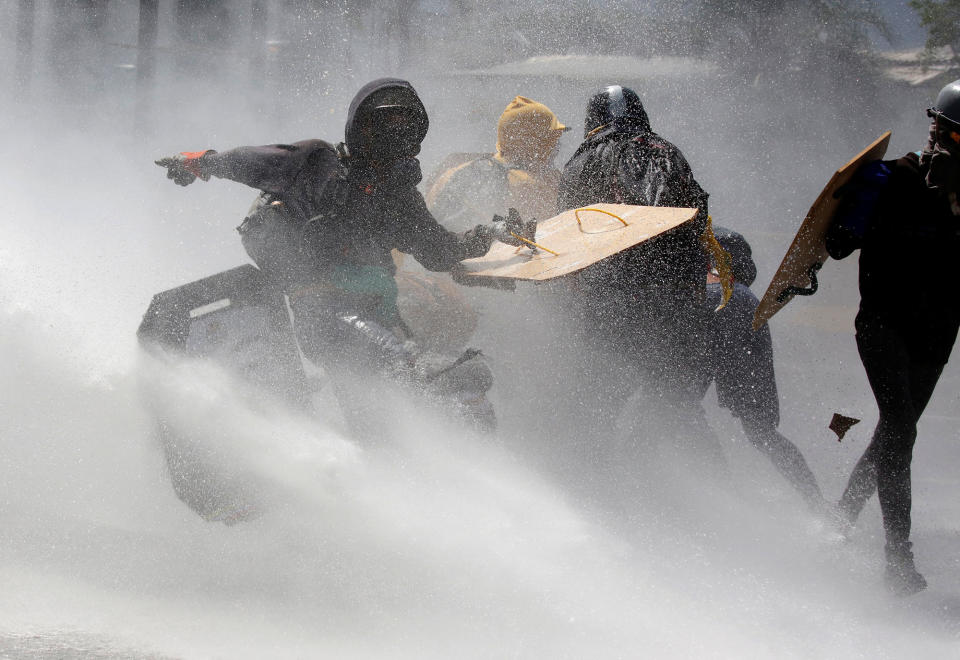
(351, 212)
(909, 240)
(627, 163)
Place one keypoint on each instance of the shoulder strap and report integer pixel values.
(333, 197)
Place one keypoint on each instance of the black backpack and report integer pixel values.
(271, 235)
(272, 232)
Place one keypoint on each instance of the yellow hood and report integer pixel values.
(527, 133)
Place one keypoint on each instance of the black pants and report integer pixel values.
(361, 356)
(739, 361)
(647, 344)
(367, 361)
(902, 386)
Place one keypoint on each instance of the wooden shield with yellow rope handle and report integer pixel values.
(576, 239)
(797, 274)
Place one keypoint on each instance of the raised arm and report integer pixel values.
(271, 168)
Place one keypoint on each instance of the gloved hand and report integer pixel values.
(443, 374)
(513, 228)
(184, 168)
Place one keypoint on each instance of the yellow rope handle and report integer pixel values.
(576, 214)
(532, 244)
(721, 259)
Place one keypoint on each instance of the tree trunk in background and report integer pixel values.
(258, 51)
(204, 31)
(404, 34)
(92, 28)
(146, 64)
(61, 52)
(25, 19)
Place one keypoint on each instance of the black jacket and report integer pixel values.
(352, 213)
(629, 164)
(909, 241)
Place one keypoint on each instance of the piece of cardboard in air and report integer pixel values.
(597, 237)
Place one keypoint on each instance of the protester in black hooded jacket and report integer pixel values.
(622, 161)
(739, 361)
(347, 207)
(643, 303)
(904, 216)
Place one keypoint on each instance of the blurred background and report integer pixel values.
(447, 548)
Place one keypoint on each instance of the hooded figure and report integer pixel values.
(645, 302)
(739, 361)
(327, 221)
(903, 216)
(521, 173)
(622, 161)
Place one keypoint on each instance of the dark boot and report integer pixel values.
(902, 577)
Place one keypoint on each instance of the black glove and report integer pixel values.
(445, 375)
(184, 168)
(512, 229)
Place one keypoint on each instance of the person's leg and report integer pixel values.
(684, 374)
(362, 358)
(887, 366)
(862, 483)
(787, 459)
(899, 433)
(894, 487)
(902, 388)
(659, 334)
(746, 384)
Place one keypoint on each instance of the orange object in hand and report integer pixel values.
(191, 162)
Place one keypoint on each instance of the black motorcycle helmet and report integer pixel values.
(615, 104)
(946, 115)
(386, 121)
(948, 102)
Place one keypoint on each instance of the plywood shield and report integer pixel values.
(598, 234)
(808, 251)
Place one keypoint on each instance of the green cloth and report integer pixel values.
(370, 280)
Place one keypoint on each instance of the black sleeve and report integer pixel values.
(428, 241)
(271, 168)
(859, 202)
(840, 241)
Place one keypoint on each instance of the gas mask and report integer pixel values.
(393, 132)
(391, 136)
(942, 155)
(404, 171)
